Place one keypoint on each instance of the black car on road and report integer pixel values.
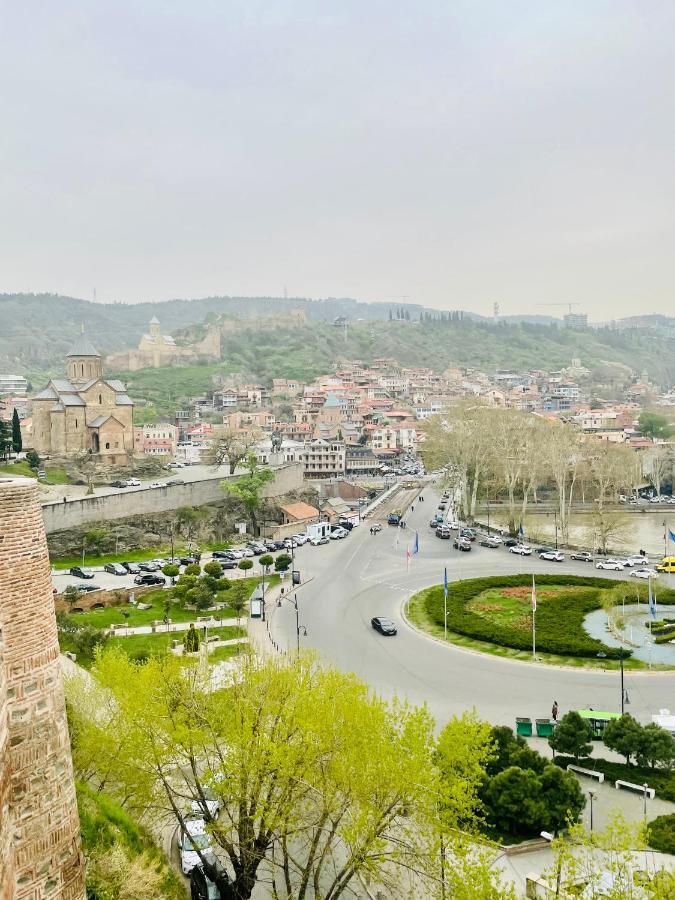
(79, 572)
(149, 578)
(384, 626)
(148, 567)
(511, 542)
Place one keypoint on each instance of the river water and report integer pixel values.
(643, 530)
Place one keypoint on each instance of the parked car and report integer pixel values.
(552, 556)
(131, 567)
(175, 465)
(133, 482)
(337, 534)
(300, 538)
(279, 545)
(149, 578)
(462, 544)
(510, 542)
(613, 566)
(384, 626)
(226, 564)
(211, 802)
(157, 484)
(118, 484)
(633, 560)
(490, 542)
(148, 567)
(316, 541)
(444, 532)
(271, 546)
(202, 887)
(644, 573)
(521, 550)
(188, 560)
(541, 550)
(442, 506)
(237, 554)
(582, 556)
(194, 836)
(433, 522)
(176, 481)
(495, 538)
(80, 572)
(115, 569)
(469, 534)
(345, 523)
(255, 549)
(222, 554)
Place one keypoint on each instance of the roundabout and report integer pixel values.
(351, 581)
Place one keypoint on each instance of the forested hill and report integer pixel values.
(36, 332)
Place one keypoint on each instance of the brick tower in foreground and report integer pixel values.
(40, 853)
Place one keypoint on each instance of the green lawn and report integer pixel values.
(54, 474)
(112, 615)
(147, 644)
(139, 555)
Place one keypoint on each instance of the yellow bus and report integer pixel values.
(667, 564)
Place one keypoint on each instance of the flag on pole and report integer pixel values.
(521, 530)
(652, 601)
(445, 583)
(408, 557)
(416, 545)
(534, 596)
(671, 535)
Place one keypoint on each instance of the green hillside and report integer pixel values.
(306, 351)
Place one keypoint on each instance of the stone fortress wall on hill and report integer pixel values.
(40, 855)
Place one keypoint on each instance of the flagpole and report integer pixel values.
(534, 616)
(445, 604)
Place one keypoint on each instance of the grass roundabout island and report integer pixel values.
(494, 615)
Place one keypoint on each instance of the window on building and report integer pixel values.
(100, 399)
(107, 445)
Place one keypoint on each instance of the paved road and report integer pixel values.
(363, 576)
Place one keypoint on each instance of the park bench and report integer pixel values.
(641, 788)
(590, 772)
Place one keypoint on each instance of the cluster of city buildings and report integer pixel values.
(358, 420)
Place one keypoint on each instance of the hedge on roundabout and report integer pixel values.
(559, 619)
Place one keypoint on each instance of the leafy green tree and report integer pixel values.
(623, 735)
(185, 584)
(463, 750)
(33, 459)
(266, 560)
(201, 595)
(572, 735)
(17, 442)
(191, 640)
(562, 796)
(656, 748)
(193, 569)
(237, 599)
(171, 570)
(514, 799)
(71, 595)
(309, 764)
(214, 569)
(248, 488)
(282, 562)
(246, 565)
(5, 438)
(654, 425)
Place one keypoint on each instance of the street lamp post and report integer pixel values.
(487, 503)
(624, 693)
(645, 787)
(591, 796)
(299, 629)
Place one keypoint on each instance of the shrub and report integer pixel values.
(559, 621)
(193, 569)
(246, 564)
(661, 834)
(213, 569)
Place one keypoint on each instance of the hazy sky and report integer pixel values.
(451, 153)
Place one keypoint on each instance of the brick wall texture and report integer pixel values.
(40, 854)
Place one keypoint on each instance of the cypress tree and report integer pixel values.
(17, 443)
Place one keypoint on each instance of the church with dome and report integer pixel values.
(84, 412)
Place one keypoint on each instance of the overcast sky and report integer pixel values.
(450, 153)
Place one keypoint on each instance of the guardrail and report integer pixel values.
(642, 788)
(589, 772)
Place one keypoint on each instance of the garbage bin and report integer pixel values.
(544, 727)
(524, 727)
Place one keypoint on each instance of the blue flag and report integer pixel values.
(652, 601)
(445, 583)
(671, 535)
(416, 545)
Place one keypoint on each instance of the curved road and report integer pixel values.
(363, 576)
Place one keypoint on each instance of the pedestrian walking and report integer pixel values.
(412, 509)
(554, 711)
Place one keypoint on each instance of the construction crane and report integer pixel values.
(567, 303)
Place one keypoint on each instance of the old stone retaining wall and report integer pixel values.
(62, 516)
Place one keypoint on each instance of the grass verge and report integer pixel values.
(419, 617)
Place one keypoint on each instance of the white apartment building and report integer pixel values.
(323, 459)
(13, 384)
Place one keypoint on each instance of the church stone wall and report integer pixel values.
(45, 860)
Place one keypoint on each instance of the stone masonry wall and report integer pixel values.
(45, 860)
(61, 516)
